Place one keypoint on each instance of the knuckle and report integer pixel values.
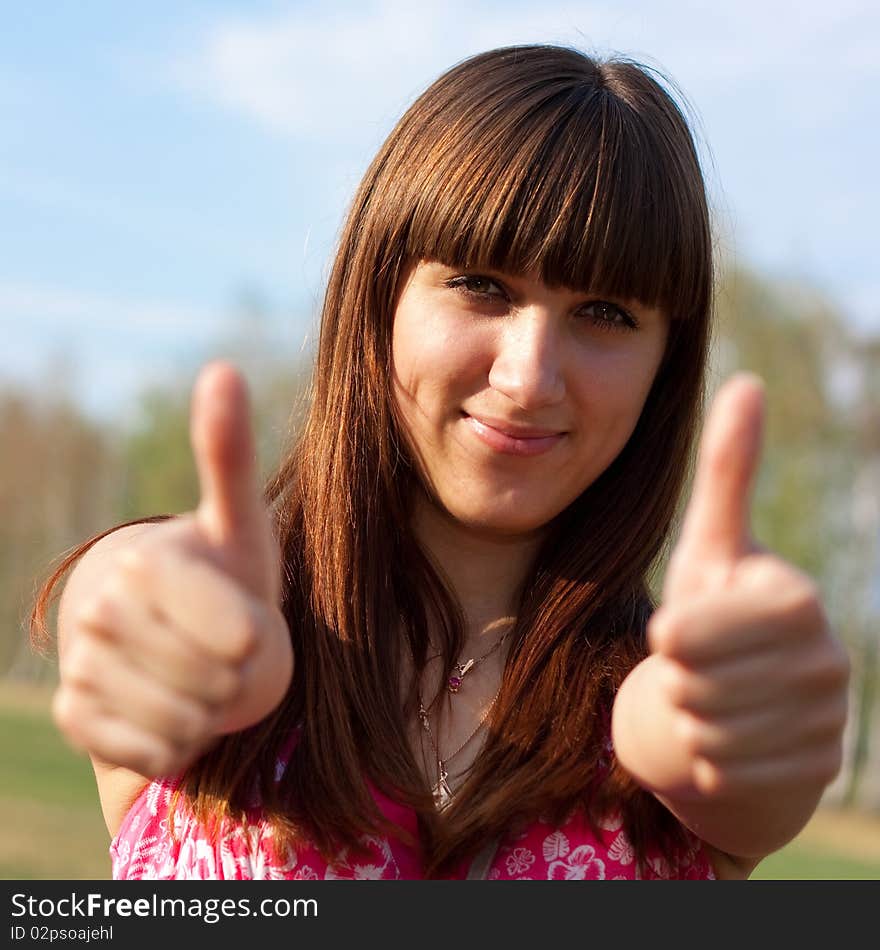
(792, 591)
(78, 666)
(773, 570)
(243, 637)
(190, 727)
(66, 710)
(676, 684)
(666, 631)
(133, 565)
(801, 599)
(828, 764)
(711, 780)
(99, 611)
(690, 733)
(826, 674)
(224, 685)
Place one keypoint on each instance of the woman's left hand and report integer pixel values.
(745, 672)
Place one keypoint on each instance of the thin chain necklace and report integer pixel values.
(441, 791)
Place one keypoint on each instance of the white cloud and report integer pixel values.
(60, 310)
(326, 73)
(330, 73)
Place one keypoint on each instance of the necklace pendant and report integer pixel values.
(441, 791)
(453, 684)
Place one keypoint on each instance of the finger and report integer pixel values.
(748, 775)
(214, 614)
(231, 507)
(110, 739)
(780, 729)
(160, 650)
(729, 686)
(94, 668)
(711, 627)
(716, 523)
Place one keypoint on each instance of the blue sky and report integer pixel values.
(159, 161)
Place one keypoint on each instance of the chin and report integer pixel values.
(500, 524)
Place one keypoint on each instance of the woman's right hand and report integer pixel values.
(180, 638)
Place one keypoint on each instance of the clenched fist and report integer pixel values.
(180, 638)
(744, 694)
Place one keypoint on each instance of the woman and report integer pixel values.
(430, 649)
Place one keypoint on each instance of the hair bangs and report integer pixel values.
(575, 186)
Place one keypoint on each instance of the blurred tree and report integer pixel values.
(861, 784)
(57, 483)
(782, 334)
(158, 474)
(788, 337)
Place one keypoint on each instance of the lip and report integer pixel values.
(510, 439)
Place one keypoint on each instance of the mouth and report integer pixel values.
(510, 439)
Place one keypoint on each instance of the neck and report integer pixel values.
(485, 570)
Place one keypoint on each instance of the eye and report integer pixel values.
(476, 285)
(609, 316)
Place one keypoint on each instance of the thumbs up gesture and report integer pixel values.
(743, 698)
(177, 636)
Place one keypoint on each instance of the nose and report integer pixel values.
(527, 367)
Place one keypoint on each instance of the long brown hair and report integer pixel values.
(525, 159)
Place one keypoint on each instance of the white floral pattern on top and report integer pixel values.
(580, 865)
(519, 861)
(379, 864)
(145, 849)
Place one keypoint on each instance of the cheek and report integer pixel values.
(611, 394)
(434, 370)
(618, 384)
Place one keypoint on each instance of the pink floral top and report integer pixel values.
(144, 848)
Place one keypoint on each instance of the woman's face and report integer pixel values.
(516, 396)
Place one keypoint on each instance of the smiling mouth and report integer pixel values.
(511, 440)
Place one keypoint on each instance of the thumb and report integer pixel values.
(716, 524)
(231, 511)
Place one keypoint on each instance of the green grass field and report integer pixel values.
(53, 826)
